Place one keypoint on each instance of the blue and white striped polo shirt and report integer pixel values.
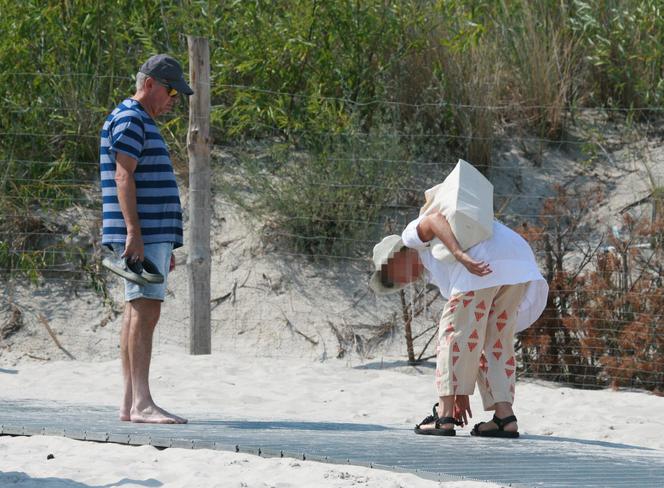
(130, 130)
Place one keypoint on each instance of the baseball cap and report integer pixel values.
(166, 69)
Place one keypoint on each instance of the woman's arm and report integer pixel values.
(436, 225)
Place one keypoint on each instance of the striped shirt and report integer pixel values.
(131, 131)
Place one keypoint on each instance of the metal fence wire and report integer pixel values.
(331, 202)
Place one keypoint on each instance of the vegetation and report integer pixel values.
(453, 72)
(602, 324)
(349, 96)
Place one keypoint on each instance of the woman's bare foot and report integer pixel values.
(503, 410)
(432, 425)
(152, 414)
(447, 410)
(491, 425)
(503, 423)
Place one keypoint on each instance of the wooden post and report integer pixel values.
(407, 321)
(198, 148)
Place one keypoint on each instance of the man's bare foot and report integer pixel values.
(125, 409)
(179, 420)
(152, 414)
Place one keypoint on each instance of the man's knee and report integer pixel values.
(147, 310)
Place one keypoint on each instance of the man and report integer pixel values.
(142, 219)
(493, 289)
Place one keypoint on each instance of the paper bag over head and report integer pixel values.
(465, 198)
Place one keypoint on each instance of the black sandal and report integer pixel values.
(499, 432)
(438, 421)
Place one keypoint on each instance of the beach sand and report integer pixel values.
(238, 386)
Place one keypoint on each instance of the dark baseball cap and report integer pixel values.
(166, 69)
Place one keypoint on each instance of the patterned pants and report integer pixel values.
(476, 344)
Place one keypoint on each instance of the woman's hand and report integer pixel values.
(462, 408)
(436, 225)
(479, 268)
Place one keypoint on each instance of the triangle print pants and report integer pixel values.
(476, 344)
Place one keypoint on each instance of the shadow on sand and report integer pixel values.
(291, 425)
(396, 364)
(18, 479)
(613, 445)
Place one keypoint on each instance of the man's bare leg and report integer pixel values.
(143, 319)
(125, 408)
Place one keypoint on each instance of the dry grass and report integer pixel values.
(543, 62)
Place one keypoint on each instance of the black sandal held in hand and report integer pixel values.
(499, 432)
(139, 272)
(438, 421)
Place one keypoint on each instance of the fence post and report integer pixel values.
(198, 149)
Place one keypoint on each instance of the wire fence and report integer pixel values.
(316, 216)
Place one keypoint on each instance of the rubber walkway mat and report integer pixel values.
(528, 461)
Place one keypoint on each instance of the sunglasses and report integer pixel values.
(172, 92)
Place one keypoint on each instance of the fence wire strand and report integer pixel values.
(586, 346)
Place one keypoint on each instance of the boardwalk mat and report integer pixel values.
(529, 461)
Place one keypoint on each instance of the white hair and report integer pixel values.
(140, 80)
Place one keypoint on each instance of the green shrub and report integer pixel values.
(624, 51)
(63, 66)
(328, 200)
(433, 77)
(542, 62)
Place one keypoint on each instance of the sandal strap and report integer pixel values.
(427, 420)
(501, 423)
(446, 420)
(439, 420)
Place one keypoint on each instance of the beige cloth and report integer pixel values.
(476, 344)
(465, 198)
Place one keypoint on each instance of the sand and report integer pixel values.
(262, 388)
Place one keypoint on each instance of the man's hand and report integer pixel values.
(171, 266)
(479, 268)
(134, 249)
(462, 408)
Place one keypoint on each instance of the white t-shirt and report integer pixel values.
(511, 260)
